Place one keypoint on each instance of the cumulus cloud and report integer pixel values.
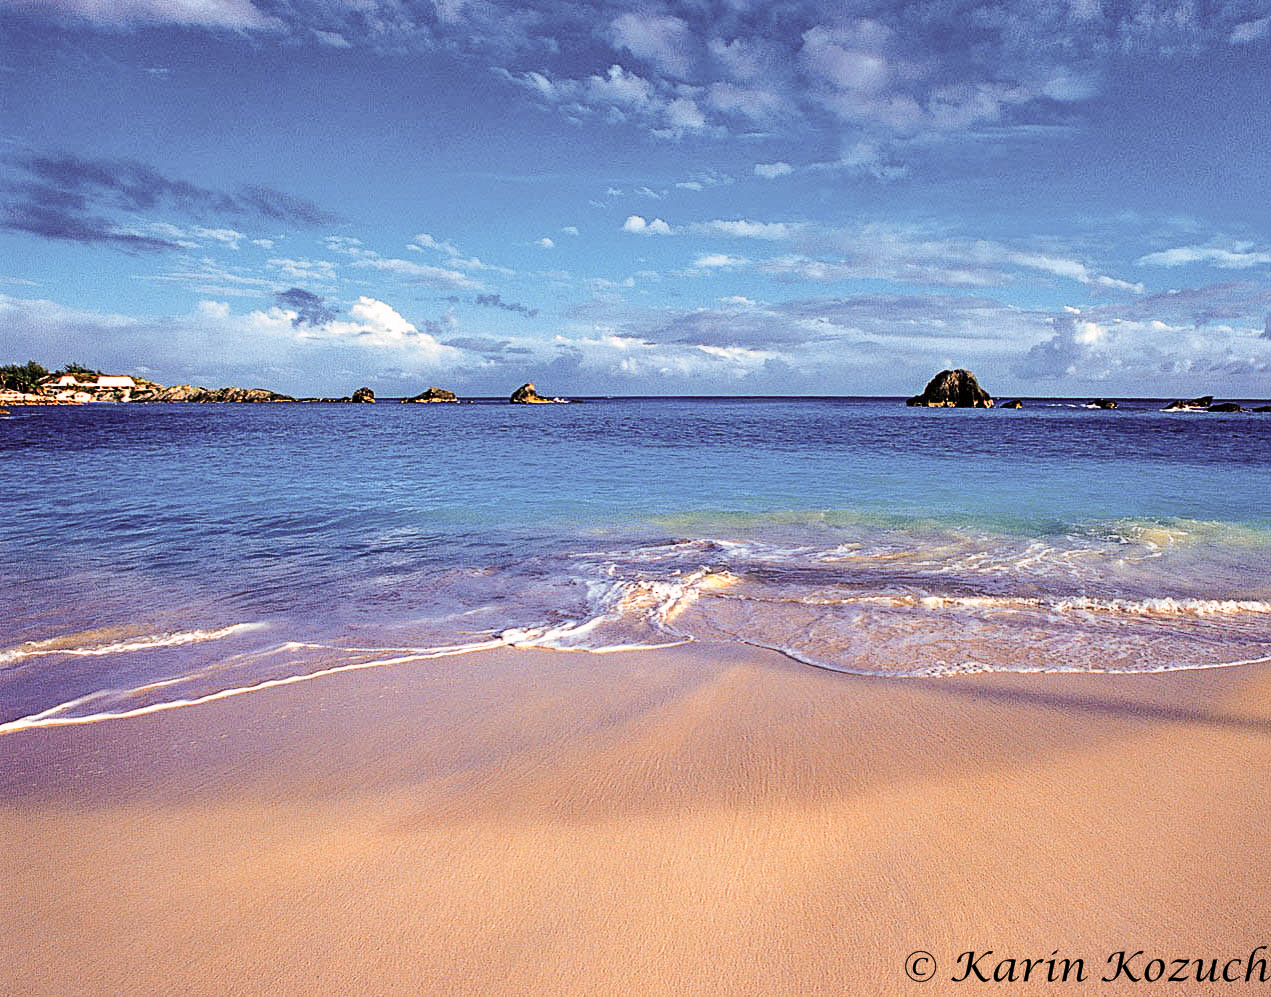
(663, 41)
(278, 347)
(1159, 344)
(637, 225)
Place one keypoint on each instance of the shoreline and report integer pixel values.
(696, 818)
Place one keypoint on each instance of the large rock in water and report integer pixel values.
(365, 395)
(1200, 404)
(952, 389)
(526, 395)
(433, 394)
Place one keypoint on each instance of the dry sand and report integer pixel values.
(700, 820)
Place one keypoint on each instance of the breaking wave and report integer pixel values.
(918, 600)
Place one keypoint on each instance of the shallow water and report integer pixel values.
(160, 554)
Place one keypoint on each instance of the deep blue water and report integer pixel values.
(836, 529)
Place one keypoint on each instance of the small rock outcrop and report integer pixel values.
(1262, 408)
(527, 395)
(1103, 403)
(1013, 403)
(952, 389)
(433, 394)
(1200, 404)
(1225, 407)
(363, 396)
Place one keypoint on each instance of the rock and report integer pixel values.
(1194, 405)
(1225, 407)
(1263, 408)
(363, 396)
(526, 395)
(1103, 403)
(952, 389)
(1013, 403)
(187, 393)
(433, 394)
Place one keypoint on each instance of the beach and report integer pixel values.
(707, 818)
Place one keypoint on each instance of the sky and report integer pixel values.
(1068, 197)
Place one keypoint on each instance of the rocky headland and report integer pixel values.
(952, 389)
(148, 391)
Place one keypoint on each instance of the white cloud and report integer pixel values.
(846, 59)
(332, 39)
(770, 171)
(662, 41)
(214, 309)
(1229, 259)
(420, 273)
(712, 261)
(207, 276)
(426, 241)
(304, 271)
(683, 114)
(225, 236)
(620, 87)
(545, 243)
(570, 230)
(234, 15)
(639, 226)
(1251, 31)
(755, 103)
(742, 228)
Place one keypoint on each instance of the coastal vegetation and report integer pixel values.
(27, 377)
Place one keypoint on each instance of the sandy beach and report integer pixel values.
(691, 820)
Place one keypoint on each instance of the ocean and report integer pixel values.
(160, 555)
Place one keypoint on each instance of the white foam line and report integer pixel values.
(980, 668)
(52, 718)
(49, 719)
(39, 648)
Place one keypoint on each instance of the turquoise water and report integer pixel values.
(157, 554)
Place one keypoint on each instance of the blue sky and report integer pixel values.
(1069, 198)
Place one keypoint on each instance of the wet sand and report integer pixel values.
(696, 820)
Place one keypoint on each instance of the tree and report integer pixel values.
(22, 377)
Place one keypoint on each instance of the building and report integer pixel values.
(89, 387)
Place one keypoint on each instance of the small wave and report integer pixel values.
(62, 715)
(1164, 606)
(70, 644)
(623, 606)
